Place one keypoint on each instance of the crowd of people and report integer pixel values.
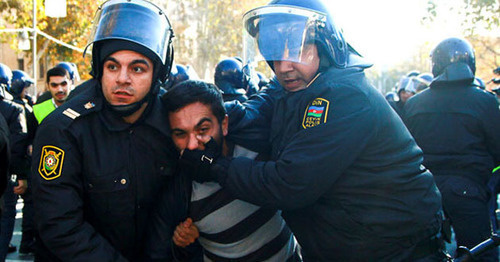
(146, 162)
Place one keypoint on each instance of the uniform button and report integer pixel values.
(131, 131)
(162, 168)
(123, 181)
(465, 192)
(91, 186)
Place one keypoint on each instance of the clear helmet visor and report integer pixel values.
(281, 33)
(137, 21)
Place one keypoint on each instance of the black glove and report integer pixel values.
(198, 163)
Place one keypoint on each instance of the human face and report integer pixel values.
(58, 87)
(296, 76)
(126, 77)
(193, 125)
(405, 95)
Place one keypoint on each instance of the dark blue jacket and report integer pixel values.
(457, 126)
(345, 171)
(96, 178)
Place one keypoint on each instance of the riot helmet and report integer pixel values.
(392, 96)
(20, 81)
(453, 59)
(423, 81)
(406, 88)
(284, 30)
(229, 77)
(133, 24)
(72, 70)
(5, 77)
(413, 73)
(407, 84)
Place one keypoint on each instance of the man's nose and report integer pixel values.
(193, 142)
(283, 66)
(123, 76)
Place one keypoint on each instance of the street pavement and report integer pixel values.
(16, 237)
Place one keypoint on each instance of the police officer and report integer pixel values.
(74, 76)
(345, 171)
(229, 78)
(405, 90)
(456, 125)
(101, 159)
(20, 82)
(18, 171)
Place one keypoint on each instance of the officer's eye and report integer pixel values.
(138, 69)
(111, 66)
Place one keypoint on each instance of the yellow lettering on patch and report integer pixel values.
(316, 113)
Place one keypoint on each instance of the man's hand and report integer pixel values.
(198, 162)
(21, 188)
(185, 233)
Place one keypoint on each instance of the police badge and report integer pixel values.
(316, 113)
(51, 162)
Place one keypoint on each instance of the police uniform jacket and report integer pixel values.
(457, 126)
(18, 138)
(97, 177)
(346, 173)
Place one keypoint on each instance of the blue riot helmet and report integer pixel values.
(135, 25)
(453, 59)
(179, 74)
(5, 77)
(72, 70)
(20, 81)
(423, 81)
(284, 30)
(392, 96)
(263, 80)
(132, 24)
(413, 73)
(407, 84)
(229, 78)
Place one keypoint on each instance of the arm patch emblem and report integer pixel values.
(51, 162)
(316, 113)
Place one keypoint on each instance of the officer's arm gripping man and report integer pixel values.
(312, 160)
(59, 199)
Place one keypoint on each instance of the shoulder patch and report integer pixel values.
(51, 162)
(316, 113)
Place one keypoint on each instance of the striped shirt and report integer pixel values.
(234, 230)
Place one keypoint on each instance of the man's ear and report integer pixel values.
(225, 125)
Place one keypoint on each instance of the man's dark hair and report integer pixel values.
(56, 71)
(192, 91)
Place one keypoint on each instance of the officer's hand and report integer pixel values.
(21, 188)
(197, 163)
(185, 233)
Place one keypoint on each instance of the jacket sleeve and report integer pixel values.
(169, 212)
(58, 187)
(18, 142)
(4, 153)
(249, 122)
(310, 163)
